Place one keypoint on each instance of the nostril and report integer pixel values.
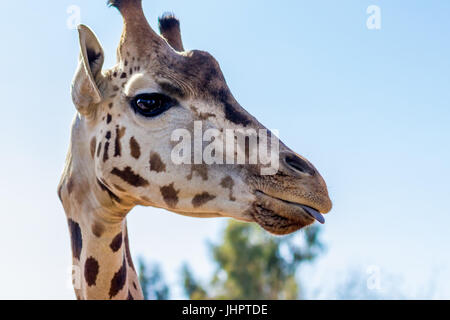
(298, 164)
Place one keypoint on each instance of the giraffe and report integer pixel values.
(120, 149)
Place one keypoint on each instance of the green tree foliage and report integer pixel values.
(191, 286)
(152, 281)
(251, 264)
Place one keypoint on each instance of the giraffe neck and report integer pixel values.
(102, 263)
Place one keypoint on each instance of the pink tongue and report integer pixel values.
(315, 214)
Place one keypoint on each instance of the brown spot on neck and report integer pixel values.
(156, 164)
(170, 195)
(127, 251)
(130, 177)
(98, 229)
(76, 238)
(135, 149)
(118, 281)
(116, 243)
(201, 199)
(91, 269)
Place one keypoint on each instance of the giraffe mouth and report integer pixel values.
(283, 217)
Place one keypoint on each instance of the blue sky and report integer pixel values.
(370, 108)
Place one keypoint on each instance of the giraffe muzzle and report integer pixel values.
(282, 217)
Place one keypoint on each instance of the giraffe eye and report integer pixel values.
(152, 104)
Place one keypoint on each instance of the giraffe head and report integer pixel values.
(133, 118)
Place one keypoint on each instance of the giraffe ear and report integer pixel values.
(85, 84)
